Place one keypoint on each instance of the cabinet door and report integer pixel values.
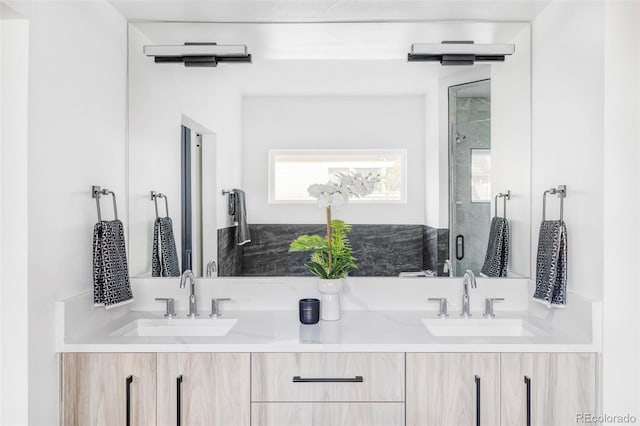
(328, 414)
(450, 388)
(95, 390)
(561, 385)
(214, 389)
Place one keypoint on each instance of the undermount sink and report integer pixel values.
(481, 327)
(177, 327)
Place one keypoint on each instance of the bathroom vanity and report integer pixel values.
(388, 361)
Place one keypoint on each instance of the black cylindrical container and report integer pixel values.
(309, 311)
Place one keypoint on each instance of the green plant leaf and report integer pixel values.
(309, 243)
(328, 261)
(316, 269)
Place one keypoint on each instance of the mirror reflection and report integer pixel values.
(446, 141)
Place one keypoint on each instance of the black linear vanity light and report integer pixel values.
(198, 54)
(459, 52)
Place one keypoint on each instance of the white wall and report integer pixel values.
(621, 358)
(585, 135)
(14, 368)
(511, 147)
(77, 99)
(568, 132)
(333, 122)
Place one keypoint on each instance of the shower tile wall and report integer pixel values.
(381, 250)
(472, 130)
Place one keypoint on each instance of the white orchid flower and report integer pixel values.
(351, 184)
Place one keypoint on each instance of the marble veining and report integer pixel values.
(230, 254)
(381, 250)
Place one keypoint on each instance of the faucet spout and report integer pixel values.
(193, 306)
(468, 279)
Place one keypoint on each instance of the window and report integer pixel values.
(292, 171)
(480, 175)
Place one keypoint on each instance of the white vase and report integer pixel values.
(330, 298)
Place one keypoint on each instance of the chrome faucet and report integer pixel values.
(193, 307)
(448, 268)
(468, 278)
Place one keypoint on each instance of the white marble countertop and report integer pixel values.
(379, 315)
(356, 331)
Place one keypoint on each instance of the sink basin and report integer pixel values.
(480, 327)
(177, 327)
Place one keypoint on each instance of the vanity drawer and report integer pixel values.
(327, 414)
(327, 377)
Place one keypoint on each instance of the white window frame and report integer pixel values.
(272, 153)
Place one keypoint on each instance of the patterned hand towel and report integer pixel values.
(497, 256)
(111, 286)
(164, 262)
(239, 212)
(551, 265)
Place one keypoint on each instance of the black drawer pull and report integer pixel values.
(179, 398)
(477, 400)
(298, 379)
(527, 381)
(128, 392)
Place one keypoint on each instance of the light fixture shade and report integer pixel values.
(459, 52)
(198, 54)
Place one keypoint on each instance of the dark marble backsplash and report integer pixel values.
(381, 250)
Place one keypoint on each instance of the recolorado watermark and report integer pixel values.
(602, 419)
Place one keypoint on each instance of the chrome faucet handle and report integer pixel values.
(215, 307)
(211, 268)
(488, 306)
(443, 306)
(170, 306)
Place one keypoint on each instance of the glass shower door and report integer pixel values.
(470, 174)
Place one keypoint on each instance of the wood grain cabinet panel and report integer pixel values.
(382, 377)
(328, 414)
(561, 386)
(441, 389)
(93, 389)
(214, 389)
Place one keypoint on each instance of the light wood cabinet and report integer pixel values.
(96, 389)
(328, 414)
(259, 389)
(381, 377)
(449, 388)
(214, 389)
(561, 385)
(327, 389)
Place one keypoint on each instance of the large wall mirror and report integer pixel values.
(319, 99)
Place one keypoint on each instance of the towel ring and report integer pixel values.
(97, 192)
(561, 191)
(505, 196)
(154, 196)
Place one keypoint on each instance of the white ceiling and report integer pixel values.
(327, 11)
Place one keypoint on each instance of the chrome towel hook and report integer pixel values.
(97, 192)
(561, 192)
(505, 196)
